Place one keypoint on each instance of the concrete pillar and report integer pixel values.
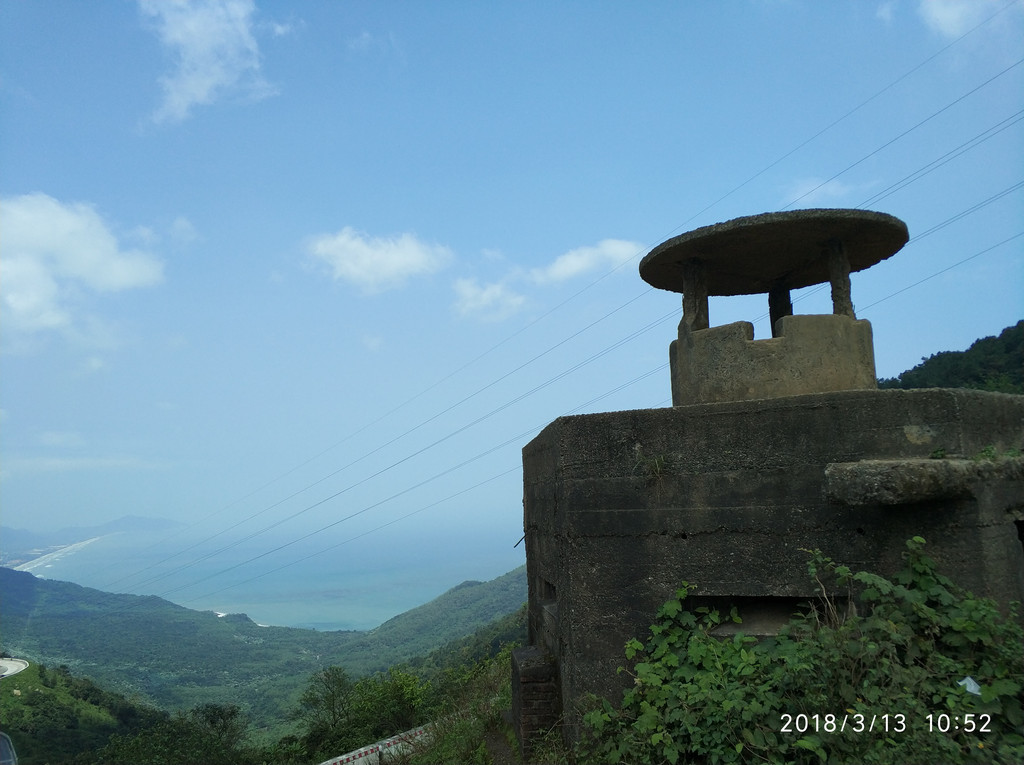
(695, 295)
(839, 277)
(779, 304)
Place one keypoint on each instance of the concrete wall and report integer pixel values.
(811, 354)
(619, 508)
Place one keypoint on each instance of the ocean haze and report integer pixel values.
(354, 587)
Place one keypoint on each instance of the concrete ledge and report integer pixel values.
(904, 482)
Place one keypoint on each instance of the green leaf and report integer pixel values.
(671, 608)
(812, 744)
(1002, 687)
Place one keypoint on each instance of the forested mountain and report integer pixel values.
(991, 363)
(175, 657)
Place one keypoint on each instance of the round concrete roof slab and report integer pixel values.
(749, 255)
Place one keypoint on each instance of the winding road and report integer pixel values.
(10, 667)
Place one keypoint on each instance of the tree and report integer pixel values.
(211, 733)
(991, 363)
(324, 708)
(338, 715)
(387, 703)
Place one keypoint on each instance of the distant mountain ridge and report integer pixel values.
(176, 657)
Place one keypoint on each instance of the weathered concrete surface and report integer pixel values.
(619, 508)
(750, 255)
(809, 354)
(905, 482)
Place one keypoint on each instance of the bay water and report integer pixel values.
(352, 587)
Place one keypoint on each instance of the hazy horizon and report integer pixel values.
(356, 591)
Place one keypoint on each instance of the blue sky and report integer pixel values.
(323, 268)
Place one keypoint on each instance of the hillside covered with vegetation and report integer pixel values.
(53, 715)
(991, 363)
(58, 717)
(175, 658)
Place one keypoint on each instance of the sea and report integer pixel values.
(351, 587)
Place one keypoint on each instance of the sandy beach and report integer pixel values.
(44, 561)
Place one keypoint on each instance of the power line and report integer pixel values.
(944, 270)
(590, 359)
(552, 348)
(970, 210)
(907, 132)
(514, 439)
(517, 438)
(846, 116)
(438, 442)
(306, 558)
(949, 156)
(594, 357)
(367, 455)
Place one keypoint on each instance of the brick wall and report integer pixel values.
(535, 695)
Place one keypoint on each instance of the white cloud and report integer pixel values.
(144, 236)
(92, 365)
(953, 18)
(52, 251)
(183, 232)
(490, 302)
(607, 252)
(361, 43)
(21, 465)
(29, 294)
(61, 439)
(367, 42)
(377, 263)
(495, 301)
(808, 192)
(884, 12)
(372, 342)
(215, 53)
(281, 30)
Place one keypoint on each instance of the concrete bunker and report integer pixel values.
(725, 488)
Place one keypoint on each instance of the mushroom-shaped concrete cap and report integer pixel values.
(750, 255)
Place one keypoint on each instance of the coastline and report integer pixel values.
(45, 561)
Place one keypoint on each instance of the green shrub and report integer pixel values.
(212, 734)
(468, 708)
(835, 686)
(338, 715)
